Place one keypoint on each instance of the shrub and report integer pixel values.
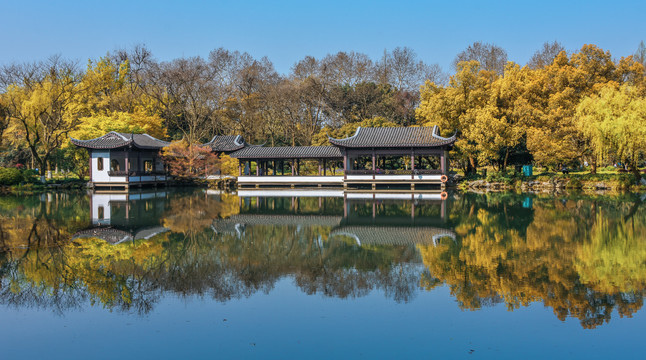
(10, 176)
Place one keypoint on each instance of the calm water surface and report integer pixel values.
(177, 274)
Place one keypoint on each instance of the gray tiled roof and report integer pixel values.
(226, 143)
(113, 140)
(116, 236)
(288, 152)
(395, 137)
(236, 223)
(393, 235)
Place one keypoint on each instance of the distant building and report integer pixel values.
(119, 160)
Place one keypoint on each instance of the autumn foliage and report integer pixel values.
(551, 112)
(186, 161)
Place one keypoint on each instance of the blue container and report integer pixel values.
(527, 203)
(527, 170)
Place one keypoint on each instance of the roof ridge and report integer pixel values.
(348, 138)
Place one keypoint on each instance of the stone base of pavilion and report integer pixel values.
(126, 183)
(417, 182)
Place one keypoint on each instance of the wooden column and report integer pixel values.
(346, 205)
(293, 172)
(90, 155)
(443, 210)
(374, 165)
(257, 168)
(298, 167)
(239, 169)
(412, 164)
(274, 168)
(126, 166)
(324, 167)
(320, 170)
(345, 165)
(443, 162)
(412, 208)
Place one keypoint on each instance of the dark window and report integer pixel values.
(148, 165)
(99, 164)
(114, 165)
(101, 213)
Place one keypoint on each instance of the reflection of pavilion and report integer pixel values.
(368, 219)
(121, 217)
(413, 199)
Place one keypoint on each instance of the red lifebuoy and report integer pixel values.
(444, 178)
(444, 195)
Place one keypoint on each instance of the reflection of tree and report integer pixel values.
(576, 256)
(51, 271)
(581, 257)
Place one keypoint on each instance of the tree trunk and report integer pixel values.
(42, 169)
(472, 167)
(504, 163)
(593, 165)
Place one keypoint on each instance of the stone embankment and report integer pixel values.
(555, 184)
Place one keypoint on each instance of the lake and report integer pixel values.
(206, 274)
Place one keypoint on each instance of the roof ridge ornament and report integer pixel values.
(115, 133)
(436, 134)
(353, 136)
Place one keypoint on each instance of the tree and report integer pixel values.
(188, 161)
(459, 107)
(615, 122)
(41, 98)
(491, 57)
(4, 116)
(185, 90)
(347, 68)
(640, 54)
(546, 55)
(401, 69)
(552, 135)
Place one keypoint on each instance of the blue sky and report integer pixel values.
(287, 31)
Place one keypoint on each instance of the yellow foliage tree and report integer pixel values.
(614, 122)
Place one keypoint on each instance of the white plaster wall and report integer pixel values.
(103, 200)
(100, 176)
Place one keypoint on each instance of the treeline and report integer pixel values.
(561, 110)
(530, 113)
(195, 98)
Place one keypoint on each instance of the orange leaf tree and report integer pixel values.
(190, 161)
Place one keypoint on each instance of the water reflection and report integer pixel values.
(581, 256)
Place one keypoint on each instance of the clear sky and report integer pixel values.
(287, 31)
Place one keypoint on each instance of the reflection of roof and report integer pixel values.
(117, 236)
(395, 137)
(393, 235)
(113, 140)
(288, 152)
(221, 143)
(229, 224)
